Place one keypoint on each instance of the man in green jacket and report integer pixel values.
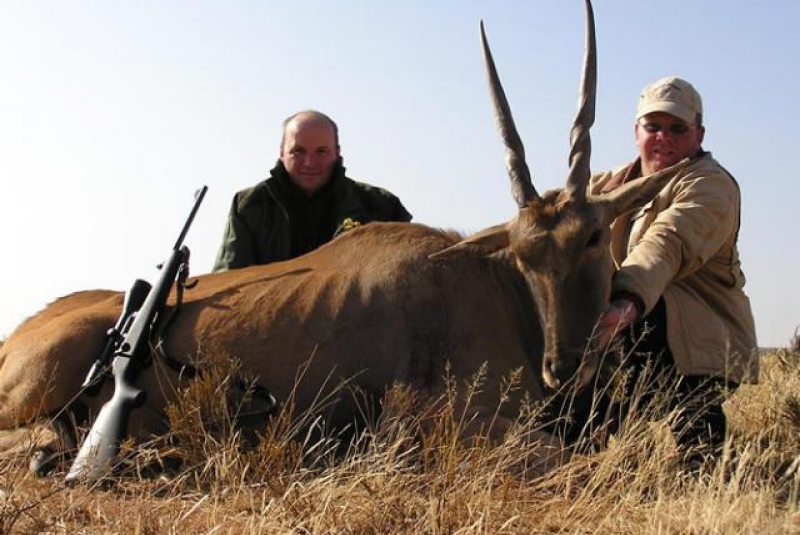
(677, 300)
(306, 202)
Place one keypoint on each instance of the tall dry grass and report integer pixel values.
(401, 476)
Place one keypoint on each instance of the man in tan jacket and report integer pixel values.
(678, 293)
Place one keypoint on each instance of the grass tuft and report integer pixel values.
(409, 471)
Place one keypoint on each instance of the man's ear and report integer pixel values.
(483, 243)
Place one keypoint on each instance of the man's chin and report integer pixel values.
(662, 163)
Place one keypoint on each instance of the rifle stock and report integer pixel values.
(101, 446)
(129, 342)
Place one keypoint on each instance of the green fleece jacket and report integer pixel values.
(274, 221)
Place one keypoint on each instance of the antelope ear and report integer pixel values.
(482, 243)
(640, 191)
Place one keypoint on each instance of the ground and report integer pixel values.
(394, 483)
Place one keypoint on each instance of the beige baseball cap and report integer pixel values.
(671, 95)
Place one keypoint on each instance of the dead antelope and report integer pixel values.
(385, 303)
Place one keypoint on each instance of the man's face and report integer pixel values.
(309, 152)
(664, 140)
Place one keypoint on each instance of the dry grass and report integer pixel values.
(393, 481)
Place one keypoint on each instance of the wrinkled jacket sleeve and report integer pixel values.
(380, 204)
(236, 250)
(683, 237)
(399, 212)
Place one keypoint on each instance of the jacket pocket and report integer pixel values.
(702, 333)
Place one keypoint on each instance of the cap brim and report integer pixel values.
(673, 108)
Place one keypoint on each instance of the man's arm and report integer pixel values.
(702, 216)
(236, 250)
(679, 242)
(400, 213)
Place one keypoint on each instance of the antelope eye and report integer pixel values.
(595, 239)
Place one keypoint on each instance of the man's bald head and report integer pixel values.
(310, 117)
(309, 149)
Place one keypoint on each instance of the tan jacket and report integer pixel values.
(682, 245)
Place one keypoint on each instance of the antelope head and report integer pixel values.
(560, 240)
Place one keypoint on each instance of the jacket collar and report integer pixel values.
(349, 208)
(634, 170)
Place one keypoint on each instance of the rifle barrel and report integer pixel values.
(198, 198)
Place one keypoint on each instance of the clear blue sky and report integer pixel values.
(113, 113)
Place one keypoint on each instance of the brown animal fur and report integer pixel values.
(371, 307)
(391, 315)
(383, 304)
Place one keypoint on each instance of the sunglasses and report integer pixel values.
(676, 129)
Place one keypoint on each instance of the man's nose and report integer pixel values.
(666, 133)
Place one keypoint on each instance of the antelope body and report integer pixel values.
(385, 303)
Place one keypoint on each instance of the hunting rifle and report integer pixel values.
(128, 344)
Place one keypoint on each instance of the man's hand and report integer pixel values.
(620, 314)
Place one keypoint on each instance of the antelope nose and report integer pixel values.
(553, 371)
(558, 371)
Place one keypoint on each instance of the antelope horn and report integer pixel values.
(521, 186)
(580, 140)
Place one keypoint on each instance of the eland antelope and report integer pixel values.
(385, 303)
